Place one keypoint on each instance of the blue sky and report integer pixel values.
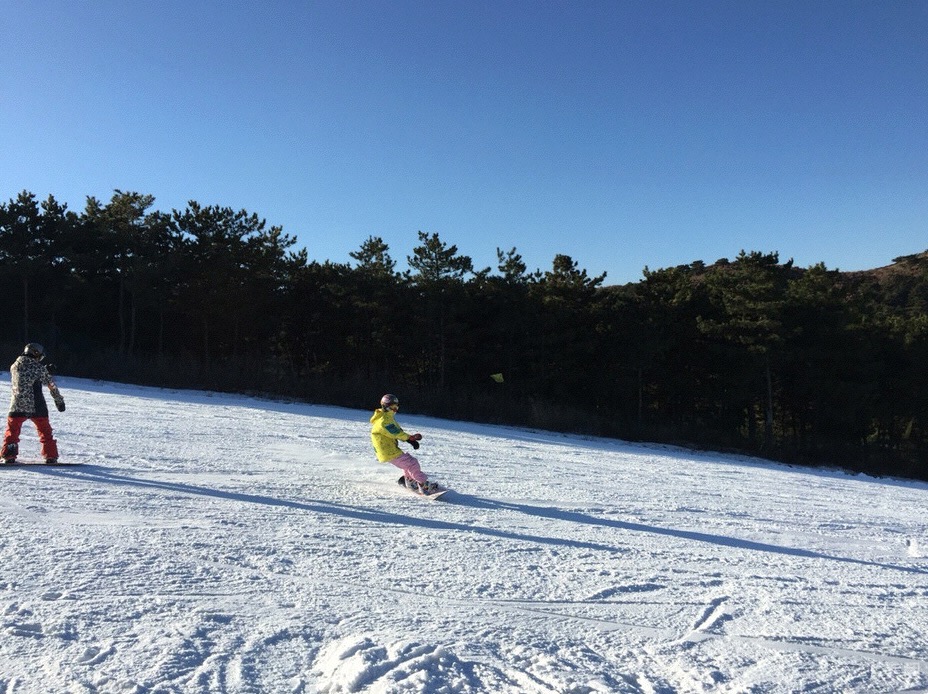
(621, 133)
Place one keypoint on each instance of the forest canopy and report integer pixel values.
(752, 354)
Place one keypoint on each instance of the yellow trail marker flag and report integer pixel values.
(497, 377)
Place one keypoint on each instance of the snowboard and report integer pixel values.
(434, 496)
(38, 463)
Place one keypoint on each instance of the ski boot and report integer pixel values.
(10, 451)
(427, 488)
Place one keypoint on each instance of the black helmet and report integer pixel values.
(388, 401)
(34, 350)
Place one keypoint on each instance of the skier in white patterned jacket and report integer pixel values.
(28, 375)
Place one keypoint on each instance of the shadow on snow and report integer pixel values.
(88, 472)
(546, 512)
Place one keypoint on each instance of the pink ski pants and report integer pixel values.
(410, 467)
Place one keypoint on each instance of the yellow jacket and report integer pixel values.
(384, 434)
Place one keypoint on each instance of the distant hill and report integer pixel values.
(904, 266)
(900, 285)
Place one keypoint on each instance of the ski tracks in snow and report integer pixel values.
(306, 571)
(708, 623)
(359, 663)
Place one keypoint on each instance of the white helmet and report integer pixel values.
(388, 401)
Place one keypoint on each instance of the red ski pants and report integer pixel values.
(15, 424)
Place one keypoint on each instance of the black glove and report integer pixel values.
(60, 404)
(414, 440)
(415, 444)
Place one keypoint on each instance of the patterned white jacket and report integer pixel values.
(28, 376)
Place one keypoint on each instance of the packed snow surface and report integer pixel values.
(220, 543)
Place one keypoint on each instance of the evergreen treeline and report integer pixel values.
(805, 365)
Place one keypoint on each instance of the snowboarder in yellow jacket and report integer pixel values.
(385, 432)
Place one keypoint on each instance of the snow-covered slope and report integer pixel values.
(216, 543)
